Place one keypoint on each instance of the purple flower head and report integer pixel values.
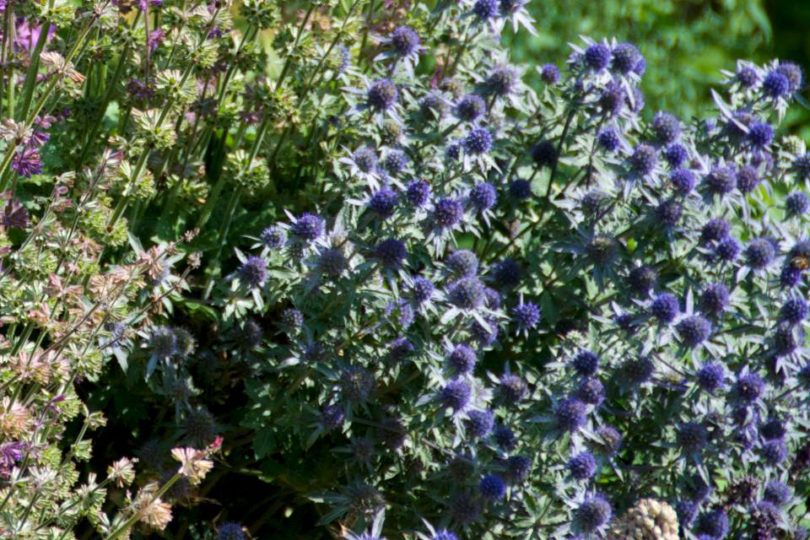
(721, 180)
(613, 98)
(485, 9)
(793, 73)
(492, 487)
(675, 154)
(26, 35)
(797, 204)
(520, 189)
(665, 308)
(666, 128)
(694, 330)
(608, 139)
(668, 213)
(794, 311)
(593, 513)
(229, 530)
(470, 108)
(480, 423)
(626, 58)
(544, 154)
(775, 85)
(582, 466)
(332, 417)
(643, 160)
(777, 493)
(384, 202)
(714, 524)
(550, 74)
(637, 370)
(711, 377)
(382, 95)
(366, 159)
(597, 56)
(273, 237)
(405, 41)
(714, 230)
(774, 428)
(462, 263)
(456, 394)
(728, 249)
(683, 180)
(418, 193)
(610, 440)
(478, 141)
(591, 391)
(467, 293)
(759, 253)
(749, 387)
(253, 272)
(507, 274)
(774, 451)
(332, 263)
(692, 437)
(391, 253)
(308, 227)
(760, 134)
(526, 316)
(421, 290)
(747, 77)
(511, 388)
(570, 414)
(585, 363)
(444, 534)
(27, 162)
(448, 212)
(483, 196)
(395, 162)
(501, 81)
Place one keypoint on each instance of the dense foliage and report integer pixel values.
(351, 271)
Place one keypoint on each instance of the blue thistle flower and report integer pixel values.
(790, 277)
(405, 41)
(332, 417)
(593, 513)
(507, 274)
(597, 56)
(550, 74)
(666, 128)
(456, 394)
(797, 204)
(448, 212)
(462, 263)
(637, 371)
(665, 308)
(366, 159)
(485, 9)
(793, 73)
(727, 249)
(775, 85)
(400, 349)
(492, 487)
(643, 159)
(626, 58)
(668, 213)
(273, 237)
(467, 293)
(714, 299)
(721, 180)
(777, 493)
(801, 166)
(544, 154)
(308, 227)
(505, 437)
(462, 359)
(512, 389)
(230, 531)
(163, 342)
(774, 451)
(794, 311)
(714, 524)
(520, 189)
(747, 77)
(582, 466)
(773, 429)
(494, 300)
(470, 107)
(612, 98)
(291, 319)
(608, 139)
(391, 253)
(610, 440)
(749, 387)
(759, 253)
(444, 534)
(480, 423)
(501, 81)
(421, 290)
(711, 377)
(714, 230)
(332, 263)
(675, 154)
(382, 95)
(747, 179)
(591, 391)
(570, 414)
(686, 512)
(357, 384)
(253, 272)
(417, 192)
(585, 363)
(694, 330)
(760, 134)
(384, 202)
(395, 162)
(683, 180)
(483, 196)
(518, 469)
(692, 437)
(526, 316)
(477, 141)
(484, 336)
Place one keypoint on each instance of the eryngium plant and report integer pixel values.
(519, 312)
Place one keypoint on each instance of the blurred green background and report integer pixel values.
(686, 42)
